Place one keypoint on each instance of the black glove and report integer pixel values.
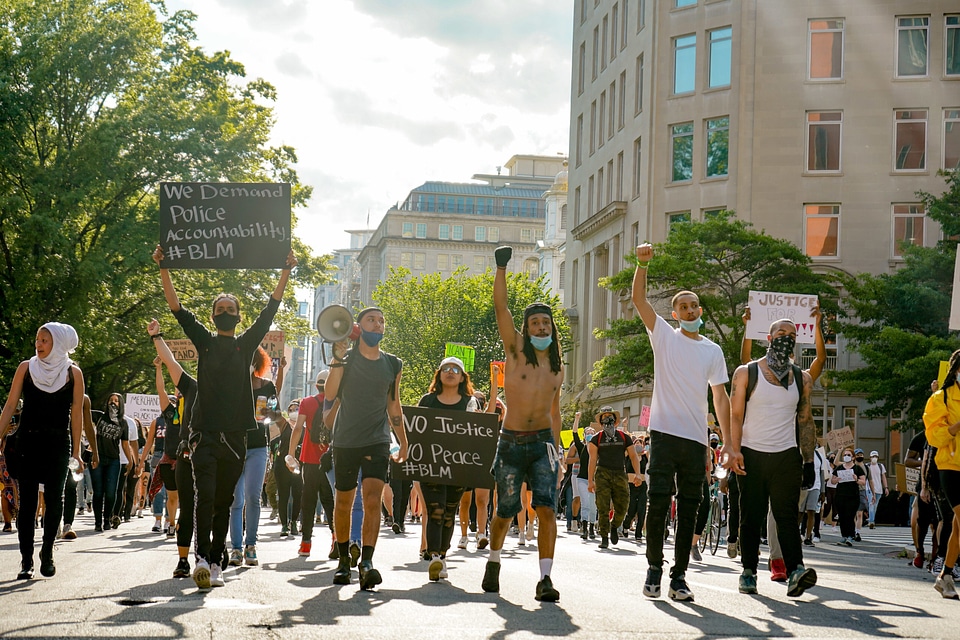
(502, 255)
(808, 476)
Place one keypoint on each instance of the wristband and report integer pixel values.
(156, 335)
(643, 265)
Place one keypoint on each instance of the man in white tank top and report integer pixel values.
(764, 450)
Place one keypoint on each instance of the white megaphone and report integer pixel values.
(335, 323)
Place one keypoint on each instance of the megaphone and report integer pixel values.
(335, 323)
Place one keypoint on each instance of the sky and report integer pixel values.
(380, 96)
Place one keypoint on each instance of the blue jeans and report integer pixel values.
(246, 496)
(588, 501)
(105, 479)
(872, 500)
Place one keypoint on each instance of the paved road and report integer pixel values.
(119, 585)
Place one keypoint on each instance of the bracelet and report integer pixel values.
(157, 335)
(643, 265)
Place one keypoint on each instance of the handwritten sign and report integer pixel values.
(644, 420)
(221, 225)
(273, 343)
(466, 354)
(449, 447)
(767, 306)
(838, 439)
(142, 406)
(566, 437)
(907, 479)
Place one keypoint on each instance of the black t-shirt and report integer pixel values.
(431, 401)
(109, 435)
(177, 416)
(847, 485)
(257, 439)
(159, 435)
(225, 390)
(584, 455)
(610, 450)
(917, 444)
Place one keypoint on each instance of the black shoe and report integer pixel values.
(98, 528)
(593, 534)
(47, 567)
(115, 522)
(397, 529)
(604, 542)
(342, 575)
(680, 591)
(856, 537)
(614, 536)
(293, 529)
(183, 569)
(26, 570)
(546, 592)
(369, 577)
(800, 580)
(583, 532)
(808, 542)
(651, 588)
(106, 526)
(425, 555)
(354, 554)
(491, 578)
(334, 553)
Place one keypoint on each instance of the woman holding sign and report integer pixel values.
(451, 389)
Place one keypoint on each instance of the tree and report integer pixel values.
(898, 322)
(721, 259)
(426, 312)
(101, 100)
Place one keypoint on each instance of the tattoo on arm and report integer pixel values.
(808, 429)
(396, 421)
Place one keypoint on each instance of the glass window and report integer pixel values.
(593, 127)
(538, 234)
(581, 67)
(407, 230)
(637, 175)
(638, 88)
(531, 267)
(910, 145)
(850, 418)
(579, 139)
(720, 49)
(822, 426)
(456, 260)
(611, 116)
(614, 30)
(603, 110)
(419, 261)
(682, 145)
(951, 139)
(823, 140)
(912, 40)
(526, 235)
(599, 189)
(907, 227)
(677, 218)
(421, 230)
(591, 182)
(576, 206)
(718, 142)
(480, 234)
(603, 43)
(822, 233)
(444, 233)
(458, 232)
(406, 259)
(679, 4)
(623, 24)
(952, 56)
(493, 233)
(825, 49)
(684, 63)
(596, 52)
(619, 176)
(622, 105)
(443, 262)
(712, 213)
(479, 264)
(562, 275)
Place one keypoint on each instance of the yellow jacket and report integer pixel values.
(937, 418)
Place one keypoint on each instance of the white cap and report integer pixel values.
(874, 453)
(453, 360)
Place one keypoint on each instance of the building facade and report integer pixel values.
(815, 121)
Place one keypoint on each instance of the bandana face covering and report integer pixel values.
(778, 357)
(609, 425)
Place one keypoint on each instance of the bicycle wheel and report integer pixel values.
(704, 539)
(716, 525)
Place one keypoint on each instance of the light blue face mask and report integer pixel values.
(691, 325)
(541, 344)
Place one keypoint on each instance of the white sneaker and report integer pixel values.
(530, 534)
(816, 539)
(435, 568)
(201, 574)
(523, 540)
(575, 527)
(443, 571)
(946, 587)
(463, 543)
(216, 579)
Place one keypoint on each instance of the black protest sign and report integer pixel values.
(450, 447)
(221, 225)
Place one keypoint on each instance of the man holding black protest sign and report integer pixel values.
(527, 450)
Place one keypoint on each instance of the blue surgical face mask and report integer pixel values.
(541, 344)
(691, 325)
(372, 339)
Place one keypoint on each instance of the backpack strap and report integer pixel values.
(753, 370)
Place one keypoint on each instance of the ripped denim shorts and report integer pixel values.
(525, 457)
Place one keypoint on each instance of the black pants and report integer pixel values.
(184, 474)
(442, 504)
(703, 512)
(69, 500)
(401, 495)
(772, 479)
(315, 485)
(126, 493)
(48, 468)
(733, 507)
(681, 461)
(846, 507)
(637, 507)
(289, 490)
(217, 464)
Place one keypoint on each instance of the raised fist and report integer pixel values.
(645, 252)
(503, 255)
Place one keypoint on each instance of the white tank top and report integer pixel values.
(769, 425)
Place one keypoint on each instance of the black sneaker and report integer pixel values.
(679, 590)
(808, 542)
(651, 588)
(397, 528)
(800, 580)
(546, 592)
(857, 537)
(26, 569)
(342, 574)
(354, 554)
(583, 532)
(614, 535)
(491, 577)
(604, 542)
(369, 577)
(47, 567)
(748, 581)
(183, 569)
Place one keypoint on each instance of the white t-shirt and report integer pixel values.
(132, 436)
(875, 477)
(683, 369)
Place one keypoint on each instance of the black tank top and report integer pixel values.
(45, 412)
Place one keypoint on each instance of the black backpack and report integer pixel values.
(319, 433)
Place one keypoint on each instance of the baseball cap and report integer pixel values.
(322, 376)
(858, 451)
(874, 453)
(452, 360)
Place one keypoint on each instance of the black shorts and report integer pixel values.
(168, 475)
(950, 487)
(372, 461)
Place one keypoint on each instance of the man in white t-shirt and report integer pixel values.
(877, 484)
(684, 364)
(772, 442)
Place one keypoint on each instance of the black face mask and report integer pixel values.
(859, 458)
(226, 321)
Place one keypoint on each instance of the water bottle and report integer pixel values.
(394, 445)
(74, 465)
(292, 464)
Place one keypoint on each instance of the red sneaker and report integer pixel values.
(917, 561)
(778, 570)
(304, 551)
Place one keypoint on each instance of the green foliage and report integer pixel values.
(898, 322)
(424, 313)
(100, 101)
(721, 259)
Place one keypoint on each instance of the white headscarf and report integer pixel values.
(50, 374)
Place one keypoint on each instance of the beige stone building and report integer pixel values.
(815, 120)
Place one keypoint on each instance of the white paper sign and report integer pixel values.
(143, 407)
(955, 299)
(767, 306)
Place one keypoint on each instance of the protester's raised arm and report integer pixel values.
(639, 294)
(168, 290)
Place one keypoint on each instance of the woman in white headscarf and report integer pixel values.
(49, 433)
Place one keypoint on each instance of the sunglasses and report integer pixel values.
(450, 369)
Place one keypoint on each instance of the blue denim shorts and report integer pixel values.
(525, 457)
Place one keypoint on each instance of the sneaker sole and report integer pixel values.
(341, 579)
(202, 578)
(651, 592)
(946, 596)
(750, 591)
(679, 596)
(434, 570)
(807, 580)
(549, 596)
(482, 543)
(251, 563)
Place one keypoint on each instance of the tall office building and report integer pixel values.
(817, 121)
